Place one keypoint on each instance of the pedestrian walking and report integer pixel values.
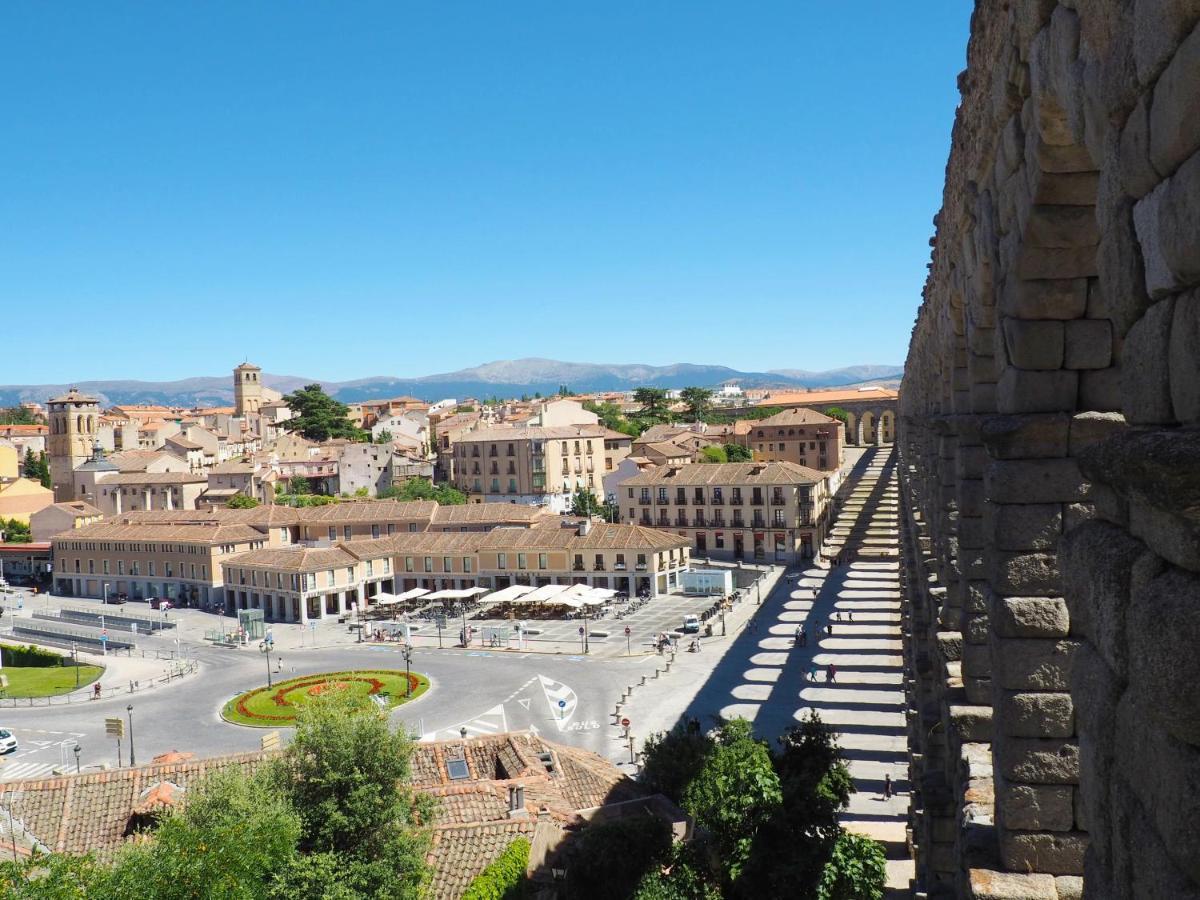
(829, 628)
(832, 672)
(887, 787)
(799, 634)
(812, 673)
(838, 615)
(829, 674)
(849, 616)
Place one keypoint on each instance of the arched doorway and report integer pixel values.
(870, 426)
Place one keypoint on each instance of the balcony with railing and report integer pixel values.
(700, 523)
(644, 500)
(577, 567)
(758, 522)
(640, 567)
(619, 567)
(756, 499)
(681, 521)
(646, 520)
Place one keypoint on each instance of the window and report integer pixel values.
(374, 531)
(150, 568)
(719, 539)
(333, 532)
(92, 567)
(121, 567)
(468, 564)
(408, 564)
(520, 560)
(662, 495)
(370, 567)
(501, 560)
(543, 560)
(391, 528)
(429, 564)
(447, 564)
(346, 532)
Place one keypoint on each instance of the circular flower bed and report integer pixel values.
(279, 704)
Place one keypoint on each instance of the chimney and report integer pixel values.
(585, 527)
(516, 802)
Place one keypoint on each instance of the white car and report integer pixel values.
(691, 625)
(8, 741)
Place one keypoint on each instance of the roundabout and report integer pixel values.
(278, 705)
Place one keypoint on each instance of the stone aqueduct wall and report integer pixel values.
(1051, 464)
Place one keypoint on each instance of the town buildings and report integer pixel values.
(799, 435)
(542, 465)
(776, 512)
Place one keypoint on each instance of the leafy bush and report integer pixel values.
(857, 870)
(241, 501)
(31, 657)
(504, 879)
(609, 859)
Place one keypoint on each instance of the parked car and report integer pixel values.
(691, 625)
(159, 603)
(8, 741)
(115, 599)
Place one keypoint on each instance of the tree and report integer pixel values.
(421, 489)
(672, 759)
(504, 878)
(36, 467)
(836, 412)
(714, 453)
(608, 860)
(319, 417)
(698, 401)
(15, 531)
(17, 415)
(241, 501)
(655, 405)
(857, 870)
(585, 503)
(610, 416)
(346, 774)
(738, 453)
(564, 391)
(298, 484)
(685, 877)
(384, 437)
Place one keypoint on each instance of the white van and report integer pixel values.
(691, 625)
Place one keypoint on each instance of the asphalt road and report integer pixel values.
(569, 698)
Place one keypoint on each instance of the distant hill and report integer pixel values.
(504, 378)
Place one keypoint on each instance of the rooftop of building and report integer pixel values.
(791, 417)
(533, 432)
(831, 396)
(196, 532)
(726, 474)
(154, 478)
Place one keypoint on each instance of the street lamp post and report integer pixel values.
(129, 710)
(265, 648)
(408, 670)
(77, 766)
(75, 657)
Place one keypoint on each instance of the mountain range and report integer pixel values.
(503, 378)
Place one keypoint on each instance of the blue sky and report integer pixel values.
(344, 190)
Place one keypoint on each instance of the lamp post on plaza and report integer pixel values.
(77, 766)
(264, 647)
(129, 710)
(407, 670)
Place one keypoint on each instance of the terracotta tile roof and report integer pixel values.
(78, 508)
(601, 536)
(458, 855)
(154, 478)
(797, 416)
(475, 513)
(726, 474)
(207, 533)
(532, 432)
(295, 559)
(843, 395)
(231, 467)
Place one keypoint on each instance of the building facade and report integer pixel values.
(761, 512)
(74, 420)
(801, 436)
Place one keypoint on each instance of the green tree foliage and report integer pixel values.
(585, 503)
(698, 401)
(857, 870)
(298, 484)
(384, 437)
(36, 467)
(504, 878)
(421, 489)
(319, 417)
(672, 760)
(609, 859)
(611, 417)
(738, 453)
(684, 877)
(564, 391)
(17, 415)
(346, 774)
(241, 501)
(713, 453)
(655, 405)
(836, 412)
(15, 531)
(734, 795)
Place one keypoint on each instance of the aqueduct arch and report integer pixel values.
(1051, 539)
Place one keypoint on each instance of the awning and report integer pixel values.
(412, 594)
(456, 593)
(385, 599)
(510, 594)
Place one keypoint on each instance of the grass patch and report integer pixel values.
(277, 705)
(47, 681)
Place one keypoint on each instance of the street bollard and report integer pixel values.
(643, 681)
(657, 672)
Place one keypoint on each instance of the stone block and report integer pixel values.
(1147, 224)
(1062, 298)
(1100, 389)
(1159, 27)
(1069, 887)
(1097, 561)
(1176, 107)
(1037, 481)
(1034, 344)
(1138, 176)
(1031, 617)
(1030, 664)
(978, 691)
(1025, 574)
(1185, 357)
(1088, 344)
(1145, 367)
(1036, 263)
(1035, 807)
(1075, 514)
(986, 884)
(1062, 158)
(1024, 526)
(1179, 223)
(1038, 714)
(1025, 391)
(1119, 294)
(1140, 865)
(1164, 652)
(1164, 776)
(1053, 852)
(1088, 428)
(1062, 227)
(1158, 465)
(977, 660)
(975, 629)
(950, 644)
(1067, 188)
(971, 724)
(1026, 437)
(1174, 537)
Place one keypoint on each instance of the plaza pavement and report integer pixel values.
(761, 674)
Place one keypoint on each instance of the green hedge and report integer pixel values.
(31, 657)
(504, 879)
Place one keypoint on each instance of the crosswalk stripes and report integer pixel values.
(561, 700)
(23, 771)
(494, 721)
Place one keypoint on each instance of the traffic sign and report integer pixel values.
(624, 723)
(270, 740)
(628, 631)
(581, 629)
(440, 620)
(562, 703)
(115, 727)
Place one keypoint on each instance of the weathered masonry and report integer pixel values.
(1051, 464)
